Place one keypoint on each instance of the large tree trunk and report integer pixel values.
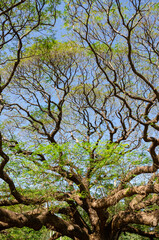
(108, 234)
(111, 234)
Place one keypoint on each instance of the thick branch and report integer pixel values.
(125, 217)
(128, 192)
(151, 235)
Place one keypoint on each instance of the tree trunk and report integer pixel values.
(107, 234)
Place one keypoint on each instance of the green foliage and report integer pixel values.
(128, 236)
(48, 47)
(109, 165)
(24, 234)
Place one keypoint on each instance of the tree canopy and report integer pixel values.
(79, 126)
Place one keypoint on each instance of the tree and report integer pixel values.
(77, 125)
(20, 22)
